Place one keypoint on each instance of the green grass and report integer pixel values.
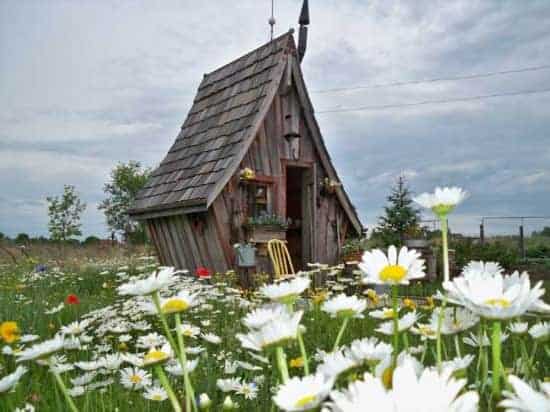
(25, 299)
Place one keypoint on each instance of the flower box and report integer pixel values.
(264, 233)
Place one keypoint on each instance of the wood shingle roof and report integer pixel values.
(228, 104)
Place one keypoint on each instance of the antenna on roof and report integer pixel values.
(302, 37)
(271, 20)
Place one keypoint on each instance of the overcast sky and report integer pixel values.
(86, 84)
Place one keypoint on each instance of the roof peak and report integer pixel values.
(277, 39)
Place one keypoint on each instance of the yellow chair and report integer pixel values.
(280, 258)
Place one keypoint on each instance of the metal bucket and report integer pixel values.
(246, 255)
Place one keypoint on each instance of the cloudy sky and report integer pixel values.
(86, 84)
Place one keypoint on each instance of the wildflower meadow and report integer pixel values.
(127, 335)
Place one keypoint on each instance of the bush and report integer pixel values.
(466, 250)
(91, 240)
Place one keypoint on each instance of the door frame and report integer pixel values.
(310, 167)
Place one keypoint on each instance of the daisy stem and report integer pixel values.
(303, 352)
(395, 307)
(168, 388)
(189, 393)
(156, 301)
(63, 388)
(438, 334)
(457, 346)
(340, 334)
(281, 363)
(497, 365)
(444, 243)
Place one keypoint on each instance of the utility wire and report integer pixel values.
(436, 79)
(441, 101)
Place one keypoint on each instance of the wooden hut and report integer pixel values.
(249, 154)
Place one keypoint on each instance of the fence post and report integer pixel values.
(521, 243)
(482, 234)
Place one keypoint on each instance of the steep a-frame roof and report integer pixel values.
(229, 102)
(230, 105)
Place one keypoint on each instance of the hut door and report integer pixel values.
(299, 208)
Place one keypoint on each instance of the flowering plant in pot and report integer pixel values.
(353, 249)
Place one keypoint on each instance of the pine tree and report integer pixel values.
(400, 216)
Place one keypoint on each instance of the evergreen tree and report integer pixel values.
(400, 217)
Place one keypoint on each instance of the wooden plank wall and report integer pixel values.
(181, 243)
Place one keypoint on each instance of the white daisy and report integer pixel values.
(384, 313)
(174, 368)
(518, 328)
(228, 385)
(343, 306)
(262, 315)
(286, 292)
(458, 363)
(404, 323)
(181, 302)
(275, 333)
(248, 390)
(155, 393)
(303, 394)
(455, 320)
(135, 378)
(429, 391)
(156, 356)
(9, 381)
(540, 330)
(41, 350)
(525, 398)
(443, 200)
(211, 338)
(155, 282)
(369, 350)
(75, 328)
(392, 269)
(188, 330)
(473, 340)
(481, 266)
(335, 363)
(492, 295)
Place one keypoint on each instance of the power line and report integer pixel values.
(441, 101)
(436, 79)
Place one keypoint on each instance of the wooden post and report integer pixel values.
(482, 233)
(521, 242)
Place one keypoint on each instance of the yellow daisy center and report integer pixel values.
(388, 313)
(156, 397)
(426, 330)
(135, 379)
(501, 302)
(387, 377)
(393, 273)
(304, 401)
(155, 356)
(297, 362)
(175, 305)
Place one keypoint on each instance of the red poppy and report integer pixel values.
(72, 299)
(202, 272)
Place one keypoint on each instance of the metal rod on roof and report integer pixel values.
(271, 20)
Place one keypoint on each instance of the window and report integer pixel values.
(259, 199)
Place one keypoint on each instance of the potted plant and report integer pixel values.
(266, 226)
(353, 250)
(415, 238)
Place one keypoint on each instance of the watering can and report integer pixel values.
(245, 254)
